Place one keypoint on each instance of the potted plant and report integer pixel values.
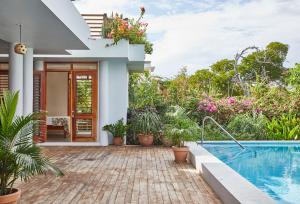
(180, 128)
(19, 156)
(118, 131)
(146, 124)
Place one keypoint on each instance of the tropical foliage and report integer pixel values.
(147, 122)
(286, 127)
(252, 94)
(117, 129)
(179, 127)
(249, 126)
(19, 156)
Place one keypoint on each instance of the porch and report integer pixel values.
(126, 174)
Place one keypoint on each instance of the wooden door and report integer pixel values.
(84, 105)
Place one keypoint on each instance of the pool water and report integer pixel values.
(271, 166)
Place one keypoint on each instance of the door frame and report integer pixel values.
(94, 114)
(70, 95)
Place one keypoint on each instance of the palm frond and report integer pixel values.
(19, 156)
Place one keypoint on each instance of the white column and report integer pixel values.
(103, 101)
(15, 77)
(28, 82)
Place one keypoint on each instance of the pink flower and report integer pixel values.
(231, 100)
(247, 102)
(211, 108)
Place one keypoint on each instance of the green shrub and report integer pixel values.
(287, 127)
(146, 121)
(213, 132)
(117, 129)
(248, 126)
(179, 127)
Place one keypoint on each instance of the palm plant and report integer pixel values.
(147, 122)
(118, 129)
(19, 156)
(179, 127)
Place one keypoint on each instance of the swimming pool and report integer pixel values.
(273, 167)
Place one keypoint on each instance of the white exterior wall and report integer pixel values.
(113, 95)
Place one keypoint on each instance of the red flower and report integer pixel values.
(142, 10)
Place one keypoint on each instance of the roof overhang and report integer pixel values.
(48, 26)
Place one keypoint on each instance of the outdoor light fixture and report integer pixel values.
(20, 48)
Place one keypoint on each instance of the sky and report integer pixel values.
(197, 33)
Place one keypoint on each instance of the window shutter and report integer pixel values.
(40, 130)
(3, 82)
(36, 92)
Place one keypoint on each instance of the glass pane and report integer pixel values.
(84, 127)
(57, 66)
(84, 66)
(84, 94)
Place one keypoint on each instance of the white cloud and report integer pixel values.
(211, 30)
(199, 39)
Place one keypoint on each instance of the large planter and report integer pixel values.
(180, 153)
(11, 198)
(118, 141)
(146, 140)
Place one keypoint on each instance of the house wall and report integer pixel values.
(113, 95)
(57, 93)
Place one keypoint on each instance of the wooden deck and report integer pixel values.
(117, 175)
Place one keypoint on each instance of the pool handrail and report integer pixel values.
(227, 133)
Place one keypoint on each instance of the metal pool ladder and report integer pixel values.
(227, 133)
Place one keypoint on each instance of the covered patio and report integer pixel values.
(129, 174)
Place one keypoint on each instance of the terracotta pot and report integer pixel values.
(180, 153)
(166, 141)
(11, 198)
(118, 141)
(145, 140)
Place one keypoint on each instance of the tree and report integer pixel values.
(294, 77)
(144, 90)
(201, 80)
(223, 77)
(266, 63)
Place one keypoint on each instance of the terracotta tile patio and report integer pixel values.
(117, 175)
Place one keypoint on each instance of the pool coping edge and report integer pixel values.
(230, 186)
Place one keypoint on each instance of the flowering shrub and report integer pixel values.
(277, 102)
(223, 109)
(132, 30)
(208, 104)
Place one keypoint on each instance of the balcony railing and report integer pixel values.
(95, 22)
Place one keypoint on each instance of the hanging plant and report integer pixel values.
(20, 48)
(132, 30)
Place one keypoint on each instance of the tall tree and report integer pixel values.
(268, 63)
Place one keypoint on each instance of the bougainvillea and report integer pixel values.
(223, 109)
(132, 30)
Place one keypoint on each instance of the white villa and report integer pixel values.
(68, 70)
